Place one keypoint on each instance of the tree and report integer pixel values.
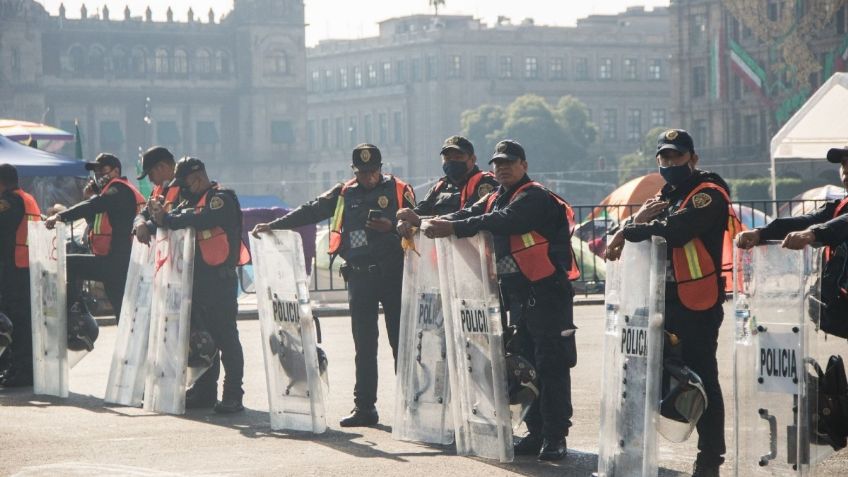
(479, 124)
(435, 4)
(643, 160)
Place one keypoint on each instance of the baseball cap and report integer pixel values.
(677, 139)
(459, 143)
(837, 154)
(103, 159)
(153, 156)
(184, 167)
(508, 149)
(366, 158)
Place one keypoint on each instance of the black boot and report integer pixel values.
(553, 449)
(200, 399)
(229, 405)
(361, 418)
(530, 444)
(703, 469)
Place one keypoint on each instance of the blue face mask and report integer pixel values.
(676, 175)
(455, 170)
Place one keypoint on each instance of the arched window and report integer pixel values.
(222, 63)
(120, 61)
(202, 62)
(276, 62)
(161, 65)
(76, 60)
(138, 61)
(96, 61)
(180, 62)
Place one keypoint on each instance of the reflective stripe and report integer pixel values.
(337, 215)
(692, 259)
(528, 240)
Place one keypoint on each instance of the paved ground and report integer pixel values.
(42, 436)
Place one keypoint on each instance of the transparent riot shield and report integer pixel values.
(632, 367)
(128, 371)
(167, 349)
(422, 412)
(479, 401)
(296, 392)
(775, 353)
(48, 300)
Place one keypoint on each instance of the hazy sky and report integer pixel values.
(353, 19)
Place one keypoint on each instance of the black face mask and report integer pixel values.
(188, 195)
(455, 170)
(676, 175)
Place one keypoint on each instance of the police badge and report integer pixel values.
(383, 201)
(365, 155)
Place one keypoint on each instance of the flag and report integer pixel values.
(77, 140)
(747, 68)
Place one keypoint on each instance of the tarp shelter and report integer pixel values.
(815, 128)
(32, 162)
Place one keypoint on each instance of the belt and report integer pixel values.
(372, 268)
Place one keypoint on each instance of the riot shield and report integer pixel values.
(775, 354)
(127, 373)
(632, 367)
(479, 401)
(48, 300)
(296, 393)
(170, 316)
(422, 412)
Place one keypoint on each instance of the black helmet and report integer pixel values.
(683, 401)
(323, 363)
(201, 349)
(522, 384)
(82, 328)
(5, 332)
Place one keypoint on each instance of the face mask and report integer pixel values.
(676, 175)
(455, 170)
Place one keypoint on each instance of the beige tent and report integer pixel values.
(818, 126)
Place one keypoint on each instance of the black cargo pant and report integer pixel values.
(541, 313)
(15, 303)
(367, 287)
(214, 308)
(698, 333)
(111, 270)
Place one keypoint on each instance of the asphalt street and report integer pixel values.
(46, 436)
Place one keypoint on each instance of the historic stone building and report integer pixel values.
(406, 89)
(231, 90)
(741, 68)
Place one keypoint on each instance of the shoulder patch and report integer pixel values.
(701, 200)
(216, 202)
(484, 189)
(4, 205)
(383, 201)
(408, 195)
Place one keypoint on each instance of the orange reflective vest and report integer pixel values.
(694, 270)
(31, 214)
(338, 215)
(172, 196)
(470, 186)
(214, 244)
(100, 235)
(531, 250)
(829, 250)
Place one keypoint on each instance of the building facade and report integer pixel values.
(406, 89)
(741, 68)
(230, 91)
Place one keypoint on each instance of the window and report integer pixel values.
(581, 68)
(700, 130)
(557, 70)
(202, 62)
(372, 75)
(609, 124)
(206, 136)
(634, 125)
(840, 21)
(605, 69)
(328, 80)
(400, 71)
(161, 63)
(357, 77)
(325, 133)
(432, 72)
(657, 118)
(351, 132)
(222, 63)
(774, 9)
(282, 132)
(383, 131)
(276, 62)
(751, 127)
(455, 67)
(315, 81)
(505, 67)
(96, 62)
(481, 67)
(343, 78)
(631, 69)
(339, 133)
(531, 68)
(76, 61)
(111, 135)
(180, 63)
(699, 81)
(415, 70)
(367, 128)
(398, 128)
(387, 73)
(655, 70)
(311, 135)
(698, 28)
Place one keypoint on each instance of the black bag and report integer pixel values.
(830, 424)
(834, 293)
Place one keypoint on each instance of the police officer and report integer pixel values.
(109, 213)
(534, 273)
(691, 214)
(821, 226)
(216, 216)
(463, 184)
(363, 233)
(158, 164)
(17, 209)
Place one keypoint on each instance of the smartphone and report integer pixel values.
(375, 214)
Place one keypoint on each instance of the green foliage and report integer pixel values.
(641, 162)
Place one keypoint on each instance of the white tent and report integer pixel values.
(819, 125)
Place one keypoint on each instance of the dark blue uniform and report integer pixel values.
(14, 293)
(445, 196)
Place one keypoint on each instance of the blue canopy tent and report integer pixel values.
(32, 162)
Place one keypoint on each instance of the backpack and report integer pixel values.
(834, 293)
(830, 423)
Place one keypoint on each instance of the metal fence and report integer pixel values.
(590, 235)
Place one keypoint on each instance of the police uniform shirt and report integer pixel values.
(828, 230)
(381, 246)
(222, 209)
(704, 216)
(119, 203)
(445, 196)
(11, 214)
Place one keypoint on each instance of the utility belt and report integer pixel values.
(362, 268)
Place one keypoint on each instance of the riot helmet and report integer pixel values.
(82, 328)
(522, 386)
(683, 401)
(201, 349)
(5, 332)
